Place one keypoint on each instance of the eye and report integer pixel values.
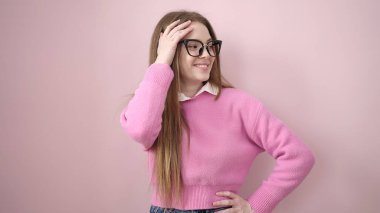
(193, 44)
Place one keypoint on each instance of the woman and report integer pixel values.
(202, 134)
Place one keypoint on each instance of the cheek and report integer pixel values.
(188, 62)
(186, 65)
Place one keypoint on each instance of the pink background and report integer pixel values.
(66, 66)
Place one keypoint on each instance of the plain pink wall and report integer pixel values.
(66, 66)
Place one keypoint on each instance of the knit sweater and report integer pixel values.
(226, 135)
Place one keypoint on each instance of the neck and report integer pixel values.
(190, 89)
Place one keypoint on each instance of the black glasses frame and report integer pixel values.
(185, 41)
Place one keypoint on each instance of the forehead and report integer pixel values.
(199, 32)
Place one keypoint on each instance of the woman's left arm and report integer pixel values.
(294, 160)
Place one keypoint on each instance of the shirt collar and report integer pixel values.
(208, 87)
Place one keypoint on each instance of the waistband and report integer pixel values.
(197, 196)
(157, 209)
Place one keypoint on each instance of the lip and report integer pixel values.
(202, 68)
(202, 62)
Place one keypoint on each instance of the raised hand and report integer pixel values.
(169, 39)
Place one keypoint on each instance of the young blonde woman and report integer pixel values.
(202, 134)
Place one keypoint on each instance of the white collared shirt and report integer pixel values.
(208, 87)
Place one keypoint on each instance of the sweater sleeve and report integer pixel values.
(141, 119)
(294, 160)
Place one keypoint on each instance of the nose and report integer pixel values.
(204, 53)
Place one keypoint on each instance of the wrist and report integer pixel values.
(162, 61)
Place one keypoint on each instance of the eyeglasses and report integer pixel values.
(195, 47)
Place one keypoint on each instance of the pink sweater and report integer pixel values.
(226, 137)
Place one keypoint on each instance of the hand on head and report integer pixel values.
(169, 39)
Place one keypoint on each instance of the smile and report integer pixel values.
(201, 65)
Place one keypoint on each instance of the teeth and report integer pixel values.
(201, 65)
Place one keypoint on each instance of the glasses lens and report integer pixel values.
(194, 47)
(214, 48)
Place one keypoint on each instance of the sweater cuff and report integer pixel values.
(161, 74)
(262, 201)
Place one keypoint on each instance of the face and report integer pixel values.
(191, 72)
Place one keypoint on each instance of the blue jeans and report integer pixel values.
(157, 209)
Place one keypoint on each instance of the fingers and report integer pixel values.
(224, 203)
(170, 26)
(227, 194)
(177, 32)
(178, 29)
(231, 202)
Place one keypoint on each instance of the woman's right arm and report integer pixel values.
(142, 117)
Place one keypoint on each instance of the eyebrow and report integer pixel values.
(210, 39)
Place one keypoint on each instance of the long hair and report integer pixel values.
(167, 146)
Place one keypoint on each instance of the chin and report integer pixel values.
(205, 79)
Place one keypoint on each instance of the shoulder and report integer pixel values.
(246, 104)
(242, 96)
